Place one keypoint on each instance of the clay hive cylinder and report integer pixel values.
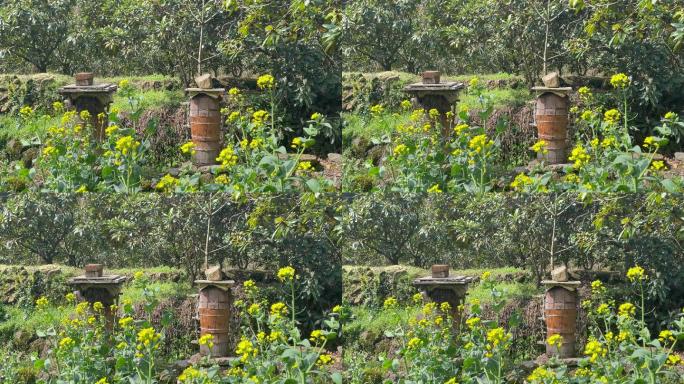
(205, 127)
(560, 312)
(551, 115)
(214, 316)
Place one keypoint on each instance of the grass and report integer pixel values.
(61, 79)
(24, 320)
(501, 98)
(150, 100)
(28, 320)
(474, 272)
(15, 127)
(409, 77)
(164, 290)
(376, 321)
(361, 126)
(73, 271)
(511, 291)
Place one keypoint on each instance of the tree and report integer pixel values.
(379, 30)
(39, 224)
(35, 29)
(383, 227)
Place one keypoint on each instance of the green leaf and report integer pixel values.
(313, 185)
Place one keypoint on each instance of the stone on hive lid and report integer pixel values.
(214, 273)
(560, 274)
(440, 271)
(432, 77)
(84, 78)
(94, 270)
(551, 80)
(204, 81)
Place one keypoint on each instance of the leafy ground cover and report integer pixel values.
(79, 346)
(420, 342)
(399, 147)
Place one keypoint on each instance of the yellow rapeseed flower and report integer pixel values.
(254, 309)
(189, 375)
(188, 148)
(260, 117)
(167, 183)
(580, 156)
(585, 93)
(540, 147)
(207, 339)
(377, 109)
(520, 181)
(473, 322)
(666, 335)
(227, 157)
(390, 302)
(42, 302)
(434, 189)
(324, 359)
(414, 343)
(612, 116)
(627, 309)
(603, 309)
(125, 322)
(304, 166)
(245, 349)
(148, 337)
(555, 340)
(286, 274)
(620, 81)
(497, 336)
(594, 349)
(126, 145)
(266, 82)
(674, 360)
(278, 310)
(671, 116)
(480, 143)
(233, 117)
(67, 343)
(400, 150)
(112, 129)
(317, 336)
(540, 374)
(636, 273)
(658, 165)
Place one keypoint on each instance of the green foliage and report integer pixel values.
(296, 41)
(35, 30)
(77, 157)
(531, 232)
(272, 348)
(369, 20)
(436, 343)
(185, 232)
(641, 45)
